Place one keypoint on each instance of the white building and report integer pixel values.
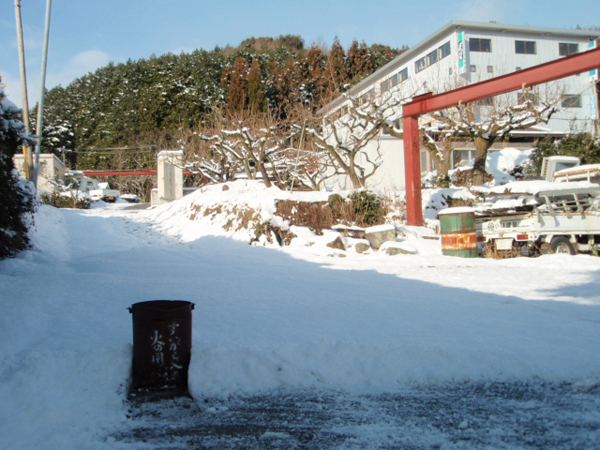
(51, 171)
(465, 52)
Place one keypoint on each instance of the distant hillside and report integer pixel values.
(119, 104)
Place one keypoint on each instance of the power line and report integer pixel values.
(102, 149)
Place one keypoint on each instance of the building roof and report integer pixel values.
(451, 26)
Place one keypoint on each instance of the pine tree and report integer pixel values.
(15, 202)
(237, 98)
(315, 76)
(359, 61)
(337, 73)
(256, 93)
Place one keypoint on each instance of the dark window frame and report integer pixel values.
(444, 50)
(524, 96)
(433, 57)
(525, 47)
(571, 101)
(567, 48)
(480, 45)
(403, 75)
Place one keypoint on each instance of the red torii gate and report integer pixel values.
(124, 173)
(544, 73)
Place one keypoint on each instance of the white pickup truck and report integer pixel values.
(539, 217)
(97, 191)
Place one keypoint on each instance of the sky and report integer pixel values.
(87, 35)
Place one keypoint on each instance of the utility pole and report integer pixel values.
(40, 116)
(28, 156)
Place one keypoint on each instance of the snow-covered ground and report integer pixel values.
(301, 317)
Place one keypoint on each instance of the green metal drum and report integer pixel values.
(459, 235)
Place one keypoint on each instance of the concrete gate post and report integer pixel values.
(170, 176)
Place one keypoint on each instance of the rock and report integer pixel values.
(337, 243)
(225, 187)
(380, 234)
(362, 247)
(397, 248)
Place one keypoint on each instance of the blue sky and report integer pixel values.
(85, 35)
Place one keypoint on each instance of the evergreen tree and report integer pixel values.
(16, 203)
(238, 79)
(337, 73)
(359, 61)
(116, 104)
(256, 93)
(315, 73)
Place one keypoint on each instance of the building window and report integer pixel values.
(385, 86)
(487, 101)
(444, 50)
(366, 97)
(480, 45)
(490, 69)
(424, 159)
(566, 49)
(524, 97)
(462, 157)
(396, 125)
(420, 64)
(571, 101)
(432, 57)
(403, 74)
(473, 68)
(525, 47)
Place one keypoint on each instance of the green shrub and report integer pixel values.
(442, 181)
(367, 208)
(66, 201)
(581, 145)
(335, 200)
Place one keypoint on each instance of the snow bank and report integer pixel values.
(228, 209)
(501, 163)
(301, 316)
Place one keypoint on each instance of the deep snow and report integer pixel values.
(299, 317)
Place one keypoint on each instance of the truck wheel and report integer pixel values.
(561, 244)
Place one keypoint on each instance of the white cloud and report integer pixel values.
(12, 87)
(57, 74)
(76, 67)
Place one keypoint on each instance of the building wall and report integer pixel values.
(51, 171)
(445, 71)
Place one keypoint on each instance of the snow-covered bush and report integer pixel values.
(16, 196)
(68, 199)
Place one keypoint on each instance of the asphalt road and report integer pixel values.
(516, 415)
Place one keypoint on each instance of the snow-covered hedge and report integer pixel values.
(16, 196)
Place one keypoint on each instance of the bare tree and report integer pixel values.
(486, 125)
(437, 140)
(350, 132)
(243, 143)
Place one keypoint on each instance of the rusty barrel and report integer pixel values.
(162, 343)
(459, 235)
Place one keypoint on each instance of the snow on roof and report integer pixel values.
(578, 169)
(456, 210)
(541, 188)
(563, 158)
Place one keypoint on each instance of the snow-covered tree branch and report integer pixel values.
(351, 131)
(485, 125)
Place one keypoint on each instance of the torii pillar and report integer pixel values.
(544, 73)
